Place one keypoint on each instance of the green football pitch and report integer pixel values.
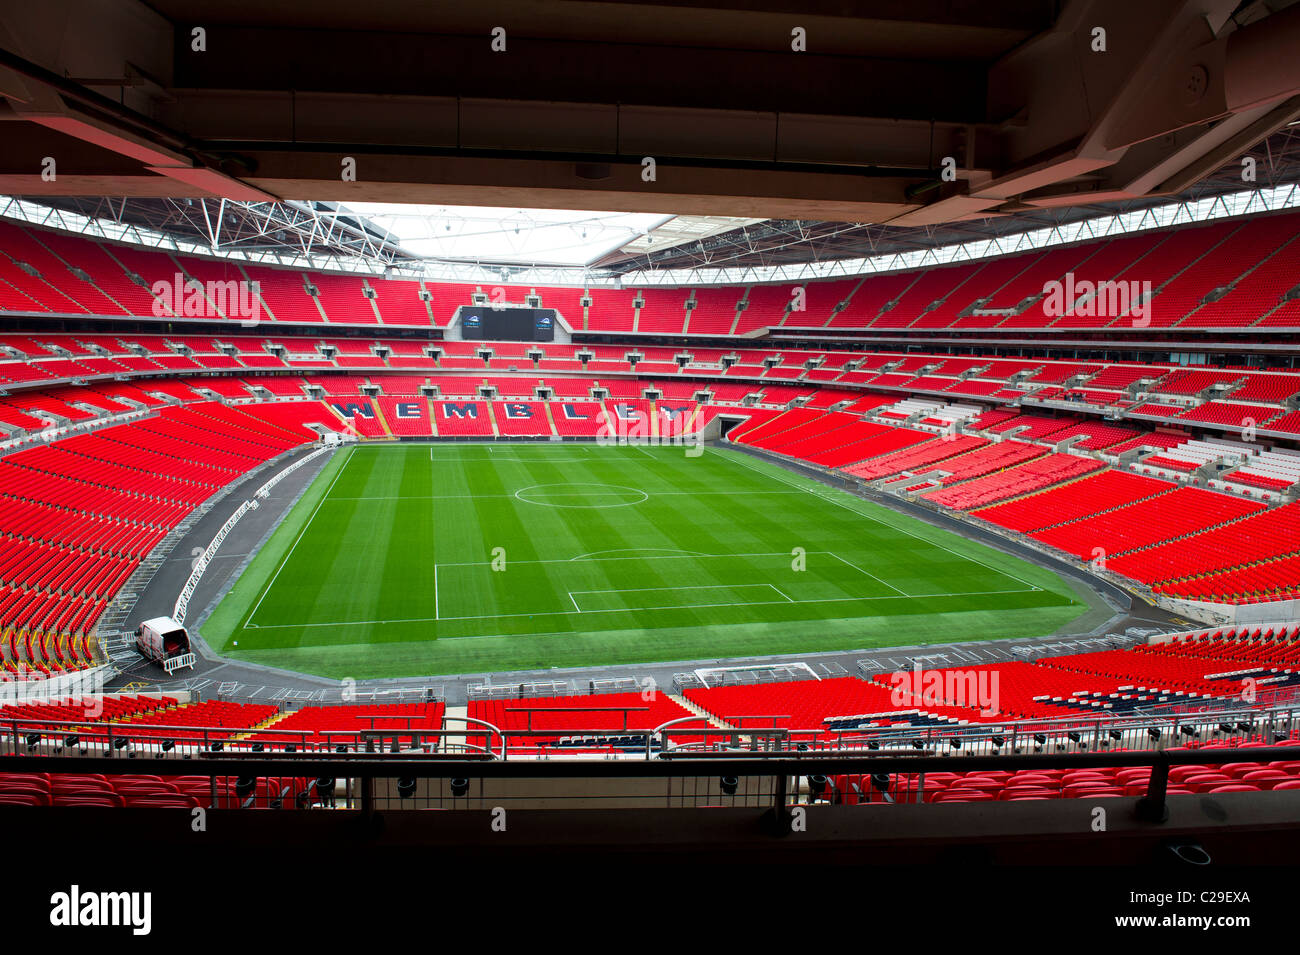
(423, 559)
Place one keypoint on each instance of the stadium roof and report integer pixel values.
(507, 236)
(607, 244)
(554, 248)
(893, 114)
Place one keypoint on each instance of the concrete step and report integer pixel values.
(713, 720)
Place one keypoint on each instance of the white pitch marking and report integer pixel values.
(616, 487)
(566, 560)
(316, 511)
(783, 594)
(797, 489)
(562, 613)
(871, 575)
(637, 550)
(634, 590)
(875, 520)
(479, 497)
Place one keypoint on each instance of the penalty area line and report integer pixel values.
(876, 520)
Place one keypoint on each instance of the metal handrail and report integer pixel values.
(1093, 733)
(780, 767)
(19, 727)
(659, 731)
(478, 722)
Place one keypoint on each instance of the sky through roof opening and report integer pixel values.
(523, 236)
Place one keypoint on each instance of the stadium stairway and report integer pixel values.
(699, 711)
(433, 419)
(550, 419)
(383, 422)
(692, 418)
(267, 723)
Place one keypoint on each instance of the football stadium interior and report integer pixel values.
(905, 464)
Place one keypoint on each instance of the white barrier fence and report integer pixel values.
(265, 489)
(201, 562)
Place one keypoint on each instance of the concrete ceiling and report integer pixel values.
(854, 129)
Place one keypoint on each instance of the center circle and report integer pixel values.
(581, 495)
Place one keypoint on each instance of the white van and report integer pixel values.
(165, 641)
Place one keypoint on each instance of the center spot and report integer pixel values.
(581, 495)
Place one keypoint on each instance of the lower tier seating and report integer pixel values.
(1032, 476)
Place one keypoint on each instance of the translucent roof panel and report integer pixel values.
(509, 236)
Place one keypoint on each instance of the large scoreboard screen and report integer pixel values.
(484, 323)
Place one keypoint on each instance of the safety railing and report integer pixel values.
(625, 737)
(1139, 731)
(778, 782)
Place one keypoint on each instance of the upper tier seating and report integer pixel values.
(1251, 258)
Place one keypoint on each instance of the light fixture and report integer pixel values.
(816, 786)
